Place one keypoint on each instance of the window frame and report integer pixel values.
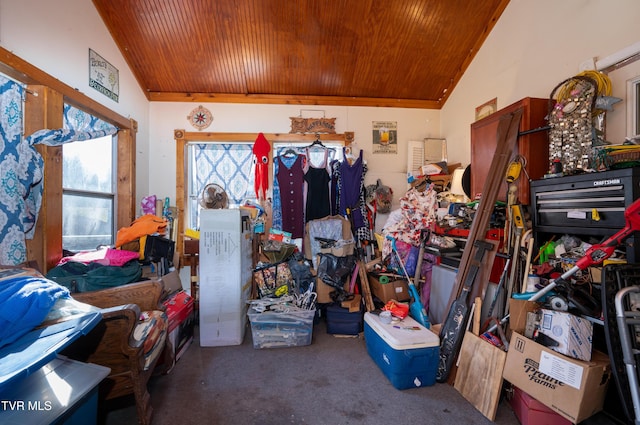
(182, 138)
(44, 105)
(633, 108)
(111, 195)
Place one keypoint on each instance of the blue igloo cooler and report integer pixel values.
(406, 352)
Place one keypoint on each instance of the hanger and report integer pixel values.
(317, 142)
(290, 152)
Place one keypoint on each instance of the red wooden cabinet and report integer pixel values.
(533, 147)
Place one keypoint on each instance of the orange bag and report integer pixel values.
(397, 309)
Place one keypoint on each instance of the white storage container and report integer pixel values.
(225, 276)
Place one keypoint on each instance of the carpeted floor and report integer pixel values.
(331, 381)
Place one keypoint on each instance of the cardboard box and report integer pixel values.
(353, 304)
(518, 310)
(530, 411)
(224, 277)
(324, 291)
(573, 388)
(172, 283)
(406, 352)
(573, 334)
(182, 318)
(397, 288)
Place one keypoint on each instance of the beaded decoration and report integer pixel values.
(571, 132)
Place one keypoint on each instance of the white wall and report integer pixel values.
(55, 36)
(413, 124)
(534, 46)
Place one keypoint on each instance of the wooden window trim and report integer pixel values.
(183, 138)
(44, 106)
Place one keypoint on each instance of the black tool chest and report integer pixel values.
(590, 204)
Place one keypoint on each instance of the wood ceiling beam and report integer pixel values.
(291, 100)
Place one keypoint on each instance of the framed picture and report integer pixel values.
(103, 76)
(385, 136)
(487, 108)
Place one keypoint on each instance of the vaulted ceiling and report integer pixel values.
(405, 53)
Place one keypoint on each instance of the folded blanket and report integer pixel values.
(24, 303)
(105, 256)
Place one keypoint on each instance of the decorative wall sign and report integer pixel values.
(349, 137)
(313, 125)
(103, 76)
(385, 136)
(487, 108)
(200, 118)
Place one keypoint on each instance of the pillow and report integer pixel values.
(152, 332)
(26, 301)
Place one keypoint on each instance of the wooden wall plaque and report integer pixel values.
(313, 125)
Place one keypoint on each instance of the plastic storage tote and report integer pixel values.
(272, 329)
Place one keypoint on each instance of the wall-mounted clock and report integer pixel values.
(200, 118)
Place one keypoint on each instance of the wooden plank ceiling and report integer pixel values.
(405, 53)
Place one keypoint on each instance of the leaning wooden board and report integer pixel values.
(451, 335)
(479, 374)
(364, 285)
(507, 135)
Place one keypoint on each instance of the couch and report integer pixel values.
(128, 340)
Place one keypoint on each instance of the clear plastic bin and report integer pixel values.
(272, 329)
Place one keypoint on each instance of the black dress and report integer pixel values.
(317, 178)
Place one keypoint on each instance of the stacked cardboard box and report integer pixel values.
(573, 388)
(393, 289)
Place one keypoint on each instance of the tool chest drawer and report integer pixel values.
(588, 204)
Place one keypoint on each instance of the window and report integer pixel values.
(187, 164)
(634, 108)
(88, 195)
(230, 165)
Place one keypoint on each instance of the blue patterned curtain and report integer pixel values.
(22, 167)
(230, 165)
(78, 126)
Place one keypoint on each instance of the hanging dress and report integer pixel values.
(317, 178)
(352, 195)
(334, 192)
(290, 178)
